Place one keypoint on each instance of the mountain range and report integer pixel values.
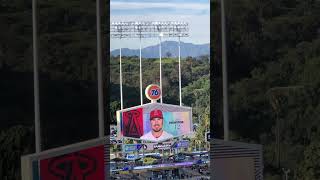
(167, 47)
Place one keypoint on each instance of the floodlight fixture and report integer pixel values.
(148, 29)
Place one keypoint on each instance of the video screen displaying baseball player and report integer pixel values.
(154, 122)
(157, 132)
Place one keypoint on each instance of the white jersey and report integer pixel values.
(150, 137)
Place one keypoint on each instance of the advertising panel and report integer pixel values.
(131, 156)
(86, 164)
(131, 147)
(181, 144)
(162, 146)
(155, 122)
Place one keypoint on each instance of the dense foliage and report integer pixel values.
(67, 64)
(274, 61)
(194, 76)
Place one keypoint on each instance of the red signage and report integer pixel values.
(86, 164)
(133, 123)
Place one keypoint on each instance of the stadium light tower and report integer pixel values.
(149, 29)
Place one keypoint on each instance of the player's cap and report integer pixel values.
(156, 114)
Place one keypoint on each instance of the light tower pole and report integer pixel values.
(121, 95)
(224, 74)
(160, 55)
(36, 78)
(140, 36)
(99, 71)
(117, 32)
(179, 57)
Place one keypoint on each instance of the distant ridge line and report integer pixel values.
(169, 48)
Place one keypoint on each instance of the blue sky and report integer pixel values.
(195, 12)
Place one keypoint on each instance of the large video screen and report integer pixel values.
(155, 122)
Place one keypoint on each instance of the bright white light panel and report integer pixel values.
(148, 29)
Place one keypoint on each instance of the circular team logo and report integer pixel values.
(153, 92)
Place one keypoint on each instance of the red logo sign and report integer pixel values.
(82, 165)
(153, 92)
(133, 123)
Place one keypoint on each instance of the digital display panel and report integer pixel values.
(155, 122)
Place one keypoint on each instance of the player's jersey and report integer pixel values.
(150, 137)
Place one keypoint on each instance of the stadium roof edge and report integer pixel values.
(239, 144)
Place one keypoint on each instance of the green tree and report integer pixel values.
(14, 143)
(310, 167)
